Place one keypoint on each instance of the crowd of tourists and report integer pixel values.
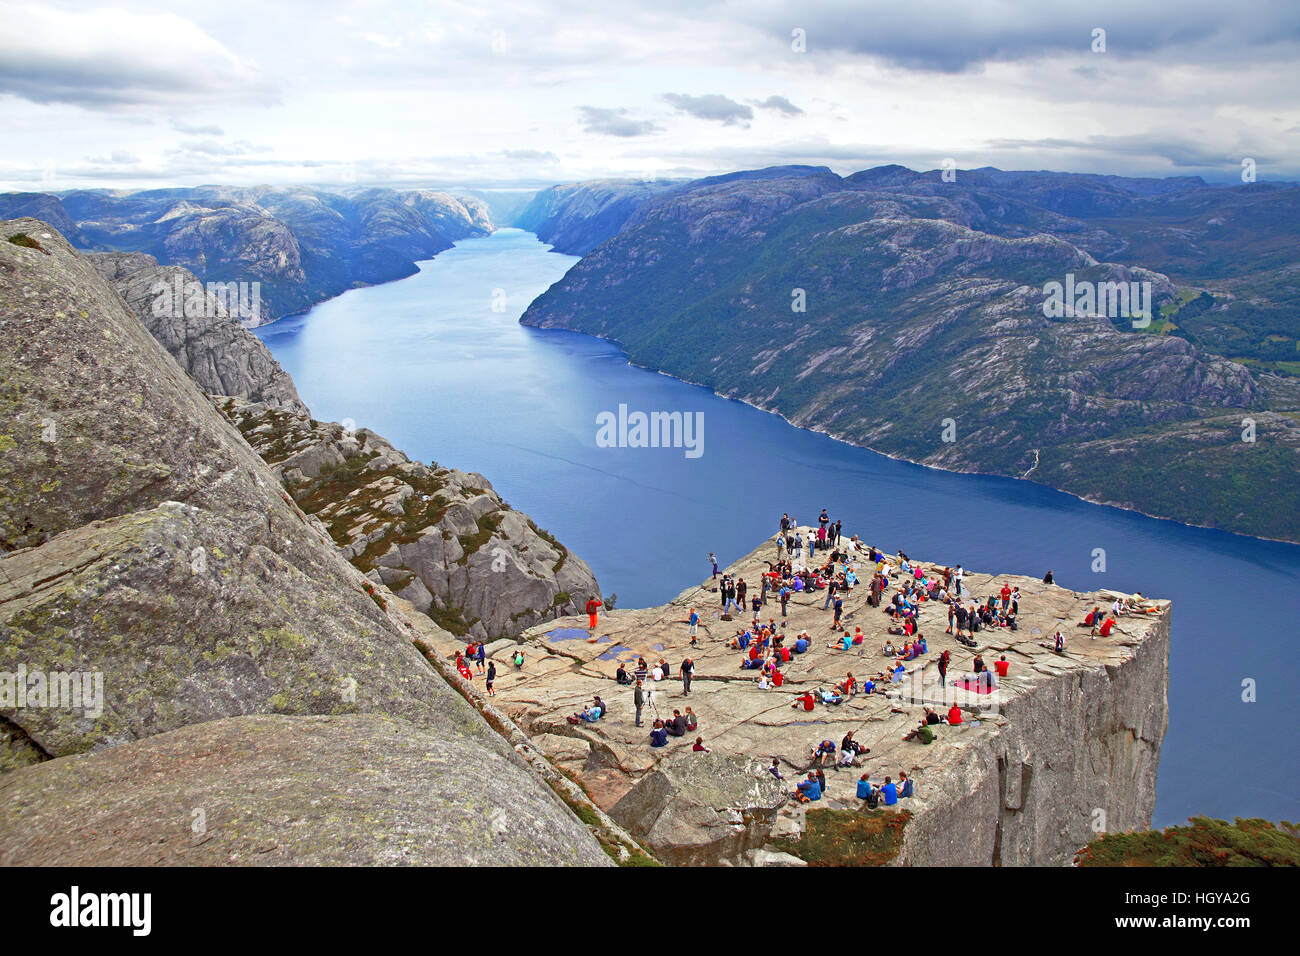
(822, 563)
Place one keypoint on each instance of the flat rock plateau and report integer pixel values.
(1070, 744)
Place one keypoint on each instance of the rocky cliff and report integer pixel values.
(440, 538)
(577, 217)
(1067, 748)
(195, 326)
(246, 670)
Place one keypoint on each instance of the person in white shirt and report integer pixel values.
(657, 673)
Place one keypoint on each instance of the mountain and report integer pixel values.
(924, 334)
(301, 245)
(147, 548)
(577, 217)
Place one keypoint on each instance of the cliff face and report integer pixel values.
(1068, 747)
(1076, 757)
(577, 217)
(440, 538)
(143, 540)
(194, 325)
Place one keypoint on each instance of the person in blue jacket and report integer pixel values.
(890, 792)
(864, 787)
(659, 735)
(801, 644)
(810, 788)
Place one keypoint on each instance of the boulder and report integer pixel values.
(702, 808)
(359, 790)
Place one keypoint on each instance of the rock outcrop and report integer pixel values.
(194, 325)
(438, 537)
(266, 790)
(1069, 746)
(699, 808)
(142, 540)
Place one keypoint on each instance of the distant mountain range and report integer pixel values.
(907, 314)
(302, 245)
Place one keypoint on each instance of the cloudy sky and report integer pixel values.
(129, 94)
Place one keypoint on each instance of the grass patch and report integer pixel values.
(27, 242)
(849, 837)
(1205, 842)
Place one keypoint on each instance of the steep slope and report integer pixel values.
(438, 537)
(144, 541)
(577, 217)
(194, 325)
(911, 321)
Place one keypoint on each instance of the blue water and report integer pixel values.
(430, 365)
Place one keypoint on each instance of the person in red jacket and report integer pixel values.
(777, 677)
(807, 700)
(1002, 665)
(1107, 627)
(592, 607)
(954, 714)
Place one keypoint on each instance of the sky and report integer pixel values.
(483, 93)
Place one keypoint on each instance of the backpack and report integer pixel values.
(873, 799)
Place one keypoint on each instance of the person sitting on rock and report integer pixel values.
(699, 746)
(518, 659)
(590, 714)
(823, 750)
(905, 788)
(805, 700)
(622, 676)
(1107, 626)
(801, 642)
(829, 696)
(867, 792)
(676, 725)
(658, 735)
(889, 792)
(848, 686)
(692, 721)
(775, 769)
(1002, 665)
(954, 715)
(808, 790)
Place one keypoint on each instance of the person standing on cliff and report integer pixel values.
(839, 527)
(480, 655)
(593, 605)
(688, 671)
(638, 701)
(956, 581)
(491, 678)
(694, 622)
(713, 559)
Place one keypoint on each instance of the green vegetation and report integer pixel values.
(1206, 842)
(451, 619)
(849, 837)
(26, 241)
